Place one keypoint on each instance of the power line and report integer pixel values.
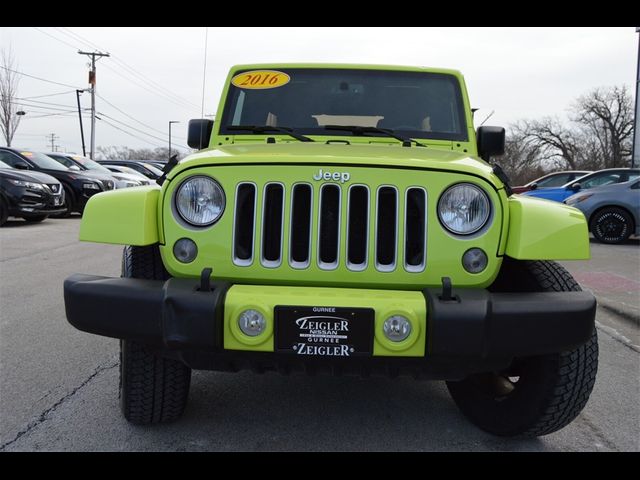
(133, 118)
(38, 78)
(134, 128)
(55, 38)
(42, 107)
(49, 95)
(62, 114)
(128, 67)
(159, 93)
(129, 133)
(44, 103)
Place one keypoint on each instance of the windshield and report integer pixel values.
(3, 165)
(89, 164)
(416, 104)
(43, 161)
(154, 170)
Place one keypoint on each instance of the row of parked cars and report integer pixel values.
(609, 199)
(36, 185)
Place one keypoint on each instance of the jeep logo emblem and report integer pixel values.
(335, 176)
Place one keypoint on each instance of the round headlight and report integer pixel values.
(464, 209)
(200, 201)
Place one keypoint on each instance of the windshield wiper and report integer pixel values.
(406, 141)
(266, 128)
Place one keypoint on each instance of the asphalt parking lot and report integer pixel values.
(59, 386)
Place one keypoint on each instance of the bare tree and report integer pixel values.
(9, 80)
(521, 159)
(554, 142)
(605, 115)
(126, 153)
(114, 153)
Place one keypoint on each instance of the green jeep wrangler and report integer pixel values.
(344, 219)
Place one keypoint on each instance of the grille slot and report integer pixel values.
(300, 226)
(272, 224)
(329, 229)
(383, 227)
(244, 224)
(357, 227)
(386, 228)
(415, 225)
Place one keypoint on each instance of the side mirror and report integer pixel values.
(533, 186)
(21, 166)
(199, 133)
(575, 187)
(75, 168)
(490, 142)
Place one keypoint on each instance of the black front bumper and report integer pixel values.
(476, 330)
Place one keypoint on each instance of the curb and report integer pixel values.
(630, 314)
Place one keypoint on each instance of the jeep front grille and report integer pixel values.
(283, 230)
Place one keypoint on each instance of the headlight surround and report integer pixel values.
(464, 208)
(91, 186)
(22, 183)
(578, 198)
(200, 201)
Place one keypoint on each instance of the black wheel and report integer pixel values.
(36, 218)
(4, 213)
(153, 389)
(611, 225)
(68, 205)
(536, 395)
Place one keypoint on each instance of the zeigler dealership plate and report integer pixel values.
(324, 331)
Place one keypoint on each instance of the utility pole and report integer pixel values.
(92, 82)
(171, 122)
(635, 152)
(52, 137)
(84, 151)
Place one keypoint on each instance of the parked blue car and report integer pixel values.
(607, 176)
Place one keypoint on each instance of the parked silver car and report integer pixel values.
(613, 211)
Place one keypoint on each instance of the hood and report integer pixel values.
(129, 177)
(27, 176)
(98, 175)
(427, 158)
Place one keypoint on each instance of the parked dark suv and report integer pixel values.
(78, 186)
(33, 195)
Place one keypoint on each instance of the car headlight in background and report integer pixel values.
(91, 186)
(578, 198)
(464, 208)
(21, 183)
(200, 201)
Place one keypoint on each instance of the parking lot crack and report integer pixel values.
(44, 416)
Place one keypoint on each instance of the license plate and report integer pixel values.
(324, 331)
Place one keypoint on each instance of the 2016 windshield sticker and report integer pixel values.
(260, 79)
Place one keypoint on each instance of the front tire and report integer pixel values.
(4, 212)
(612, 225)
(536, 395)
(153, 389)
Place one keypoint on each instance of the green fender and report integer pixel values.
(546, 230)
(126, 217)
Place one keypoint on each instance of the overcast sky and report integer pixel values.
(156, 74)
